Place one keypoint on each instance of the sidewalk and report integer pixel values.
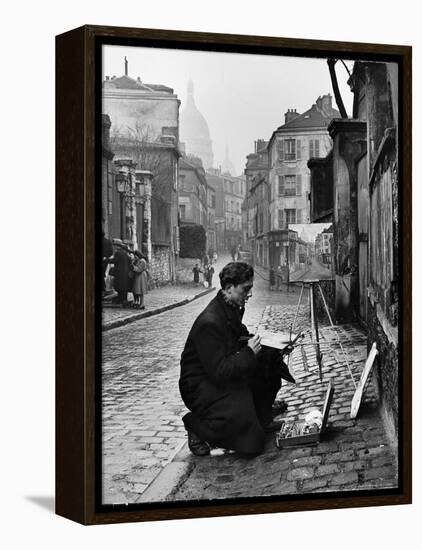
(352, 455)
(156, 301)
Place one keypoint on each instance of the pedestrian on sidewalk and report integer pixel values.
(279, 278)
(196, 271)
(140, 280)
(209, 273)
(121, 271)
(272, 278)
(227, 381)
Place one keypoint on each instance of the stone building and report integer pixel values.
(216, 182)
(301, 137)
(193, 200)
(145, 130)
(234, 195)
(194, 131)
(211, 229)
(362, 171)
(256, 204)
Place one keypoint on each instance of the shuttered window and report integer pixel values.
(290, 185)
(290, 149)
(280, 219)
(314, 148)
(299, 184)
(280, 186)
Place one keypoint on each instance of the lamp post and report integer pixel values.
(124, 186)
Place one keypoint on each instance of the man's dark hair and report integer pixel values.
(235, 273)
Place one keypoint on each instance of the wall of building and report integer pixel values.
(298, 168)
(159, 268)
(136, 113)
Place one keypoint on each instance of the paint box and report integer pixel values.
(308, 438)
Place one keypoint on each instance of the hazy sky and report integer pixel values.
(243, 97)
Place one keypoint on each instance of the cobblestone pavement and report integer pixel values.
(142, 409)
(353, 454)
(144, 442)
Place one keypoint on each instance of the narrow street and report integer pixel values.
(315, 271)
(144, 441)
(142, 409)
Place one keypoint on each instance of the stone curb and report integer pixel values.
(171, 476)
(136, 316)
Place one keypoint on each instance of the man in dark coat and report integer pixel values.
(227, 381)
(122, 268)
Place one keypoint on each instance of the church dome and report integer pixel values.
(194, 131)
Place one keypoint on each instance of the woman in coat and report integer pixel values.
(140, 280)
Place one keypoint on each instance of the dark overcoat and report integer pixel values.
(228, 389)
(122, 267)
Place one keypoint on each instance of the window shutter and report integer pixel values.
(298, 149)
(280, 219)
(280, 186)
(317, 147)
(311, 148)
(281, 150)
(298, 184)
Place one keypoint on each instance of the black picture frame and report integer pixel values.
(78, 135)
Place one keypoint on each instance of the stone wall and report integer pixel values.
(386, 370)
(184, 268)
(159, 269)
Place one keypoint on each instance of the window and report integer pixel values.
(290, 185)
(182, 208)
(290, 149)
(290, 215)
(314, 148)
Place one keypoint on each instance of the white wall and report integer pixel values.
(27, 274)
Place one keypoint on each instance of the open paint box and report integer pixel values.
(294, 434)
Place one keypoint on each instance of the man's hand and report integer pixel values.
(287, 350)
(255, 343)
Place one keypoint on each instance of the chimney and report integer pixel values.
(290, 115)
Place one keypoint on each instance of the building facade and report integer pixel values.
(216, 183)
(234, 194)
(363, 168)
(145, 130)
(193, 196)
(302, 137)
(256, 204)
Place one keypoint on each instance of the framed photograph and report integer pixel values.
(233, 275)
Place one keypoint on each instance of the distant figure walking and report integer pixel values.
(140, 280)
(196, 271)
(272, 278)
(209, 273)
(233, 252)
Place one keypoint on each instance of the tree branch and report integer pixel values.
(336, 90)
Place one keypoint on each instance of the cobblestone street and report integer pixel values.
(144, 453)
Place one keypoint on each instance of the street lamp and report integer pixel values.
(123, 186)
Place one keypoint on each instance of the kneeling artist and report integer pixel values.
(228, 381)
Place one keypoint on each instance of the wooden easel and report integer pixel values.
(313, 285)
